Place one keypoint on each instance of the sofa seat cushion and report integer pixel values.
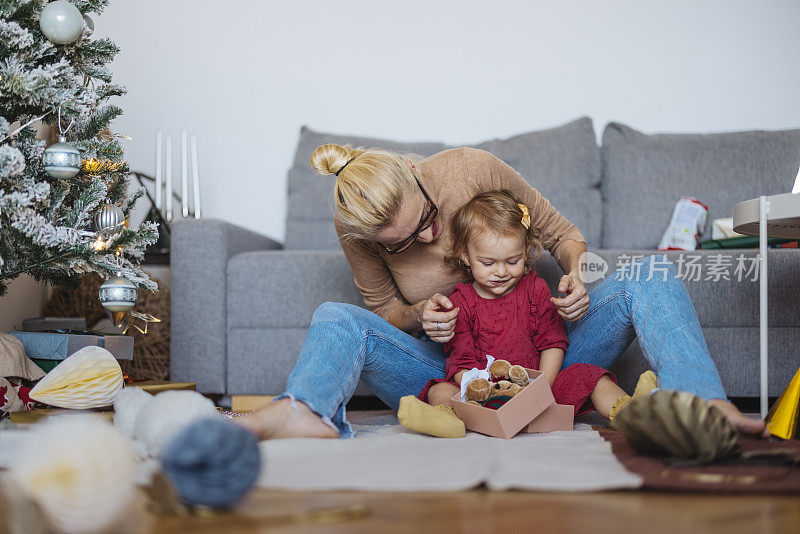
(645, 175)
(563, 163)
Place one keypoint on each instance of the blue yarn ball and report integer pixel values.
(212, 463)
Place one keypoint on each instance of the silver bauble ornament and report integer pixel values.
(117, 295)
(61, 22)
(110, 220)
(62, 160)
(88, 24)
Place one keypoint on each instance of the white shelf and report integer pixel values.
(767, 216)
(783, 216)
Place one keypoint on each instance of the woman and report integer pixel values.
(392, 217)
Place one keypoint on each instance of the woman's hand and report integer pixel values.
(438, 317)
(575, 303)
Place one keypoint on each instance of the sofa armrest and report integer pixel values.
(200, 250)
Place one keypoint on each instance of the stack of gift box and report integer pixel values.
(49, 340)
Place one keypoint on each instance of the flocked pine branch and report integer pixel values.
(45, 222)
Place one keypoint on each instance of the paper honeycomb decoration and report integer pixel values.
(782, 420)
(81, 472)
(90, 378)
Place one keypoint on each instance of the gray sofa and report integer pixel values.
(241, 302)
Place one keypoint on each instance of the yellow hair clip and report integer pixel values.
(526, 217)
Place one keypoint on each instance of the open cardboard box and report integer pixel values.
(555, 417)
(520, 412)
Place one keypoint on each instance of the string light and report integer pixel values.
(95, 166)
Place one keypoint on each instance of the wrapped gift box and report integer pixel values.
(505, 422)
(46, 365)
(157, 386)
(57, 346)
(37, 324)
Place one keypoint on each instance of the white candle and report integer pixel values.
(159, 185)
(169, 179)
(195, 179)
(184, 176)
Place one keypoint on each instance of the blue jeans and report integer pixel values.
(345, 343)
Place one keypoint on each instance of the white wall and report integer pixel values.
(246, 74)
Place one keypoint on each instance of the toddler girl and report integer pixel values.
(506, 312)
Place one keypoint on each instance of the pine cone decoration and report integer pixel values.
(679, 425)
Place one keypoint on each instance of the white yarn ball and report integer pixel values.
(127, 404)
(80, 470)
(166, 415)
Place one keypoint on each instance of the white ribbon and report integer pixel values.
(474, 373)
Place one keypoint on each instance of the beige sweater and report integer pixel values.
(451, 178)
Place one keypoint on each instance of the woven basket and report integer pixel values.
(150, 351)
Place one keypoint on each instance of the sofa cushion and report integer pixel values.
(644, 175)
(282, 289)
(563, 163)
(271, 299)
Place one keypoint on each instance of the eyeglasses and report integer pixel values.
(425, 222)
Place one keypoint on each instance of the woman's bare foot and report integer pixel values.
(284, 419)
(744, 424)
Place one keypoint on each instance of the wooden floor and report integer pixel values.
(482, 511)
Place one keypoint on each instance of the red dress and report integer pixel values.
(516, 327)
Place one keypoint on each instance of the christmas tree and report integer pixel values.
(62, 210)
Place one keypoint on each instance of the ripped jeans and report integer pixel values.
(345, 343)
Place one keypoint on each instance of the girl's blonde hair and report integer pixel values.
(498, 212)
(369, 188)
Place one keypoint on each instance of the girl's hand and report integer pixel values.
(575, 303)
(438, 318)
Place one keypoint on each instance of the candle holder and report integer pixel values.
(186, 210)
(154, 214)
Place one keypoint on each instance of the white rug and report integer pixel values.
(384, 456)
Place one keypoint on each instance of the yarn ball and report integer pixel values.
(166, 415)
(212, 463)
(80, 470)
(127, 404)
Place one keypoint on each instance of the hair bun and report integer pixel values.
(328, 159)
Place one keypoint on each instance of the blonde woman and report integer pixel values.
(393, 216)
